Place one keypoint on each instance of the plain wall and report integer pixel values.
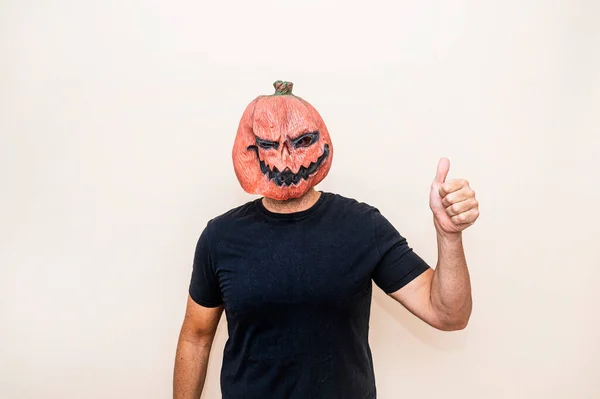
(117, 120)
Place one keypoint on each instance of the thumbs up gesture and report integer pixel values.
(452, 202)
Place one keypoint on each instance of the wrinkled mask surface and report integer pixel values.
(282, 147)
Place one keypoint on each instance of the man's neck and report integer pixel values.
(292, 205)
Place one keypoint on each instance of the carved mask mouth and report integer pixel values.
(287, 177)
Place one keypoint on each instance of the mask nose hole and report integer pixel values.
(285, 151)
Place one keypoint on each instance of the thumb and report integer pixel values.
(442, 170)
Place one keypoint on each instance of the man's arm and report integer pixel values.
(193, 349)
(442, 297)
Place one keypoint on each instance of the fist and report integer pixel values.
(452, 202)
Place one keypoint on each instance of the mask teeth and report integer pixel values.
(287, 178)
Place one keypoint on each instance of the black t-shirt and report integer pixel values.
(297, 289)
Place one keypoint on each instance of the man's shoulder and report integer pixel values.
(352, 205)
(354, 213)
(232, 217)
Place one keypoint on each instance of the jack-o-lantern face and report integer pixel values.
(282, 147)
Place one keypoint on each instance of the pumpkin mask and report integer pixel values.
(282, 147)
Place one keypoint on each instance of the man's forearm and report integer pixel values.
(451, 285)
(191, 363)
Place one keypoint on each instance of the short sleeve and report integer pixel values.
(398, 264)
(204, 285)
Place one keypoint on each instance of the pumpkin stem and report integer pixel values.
(283, 88)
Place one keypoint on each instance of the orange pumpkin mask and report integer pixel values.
(282, 147)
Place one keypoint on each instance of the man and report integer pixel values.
(293, 270)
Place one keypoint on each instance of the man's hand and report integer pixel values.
(452, 202)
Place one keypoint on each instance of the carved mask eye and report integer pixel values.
(266, 144)
(306, 140)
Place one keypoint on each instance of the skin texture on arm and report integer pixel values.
(442, 297)
(193, 349)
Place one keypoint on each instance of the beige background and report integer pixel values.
(117, 119)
